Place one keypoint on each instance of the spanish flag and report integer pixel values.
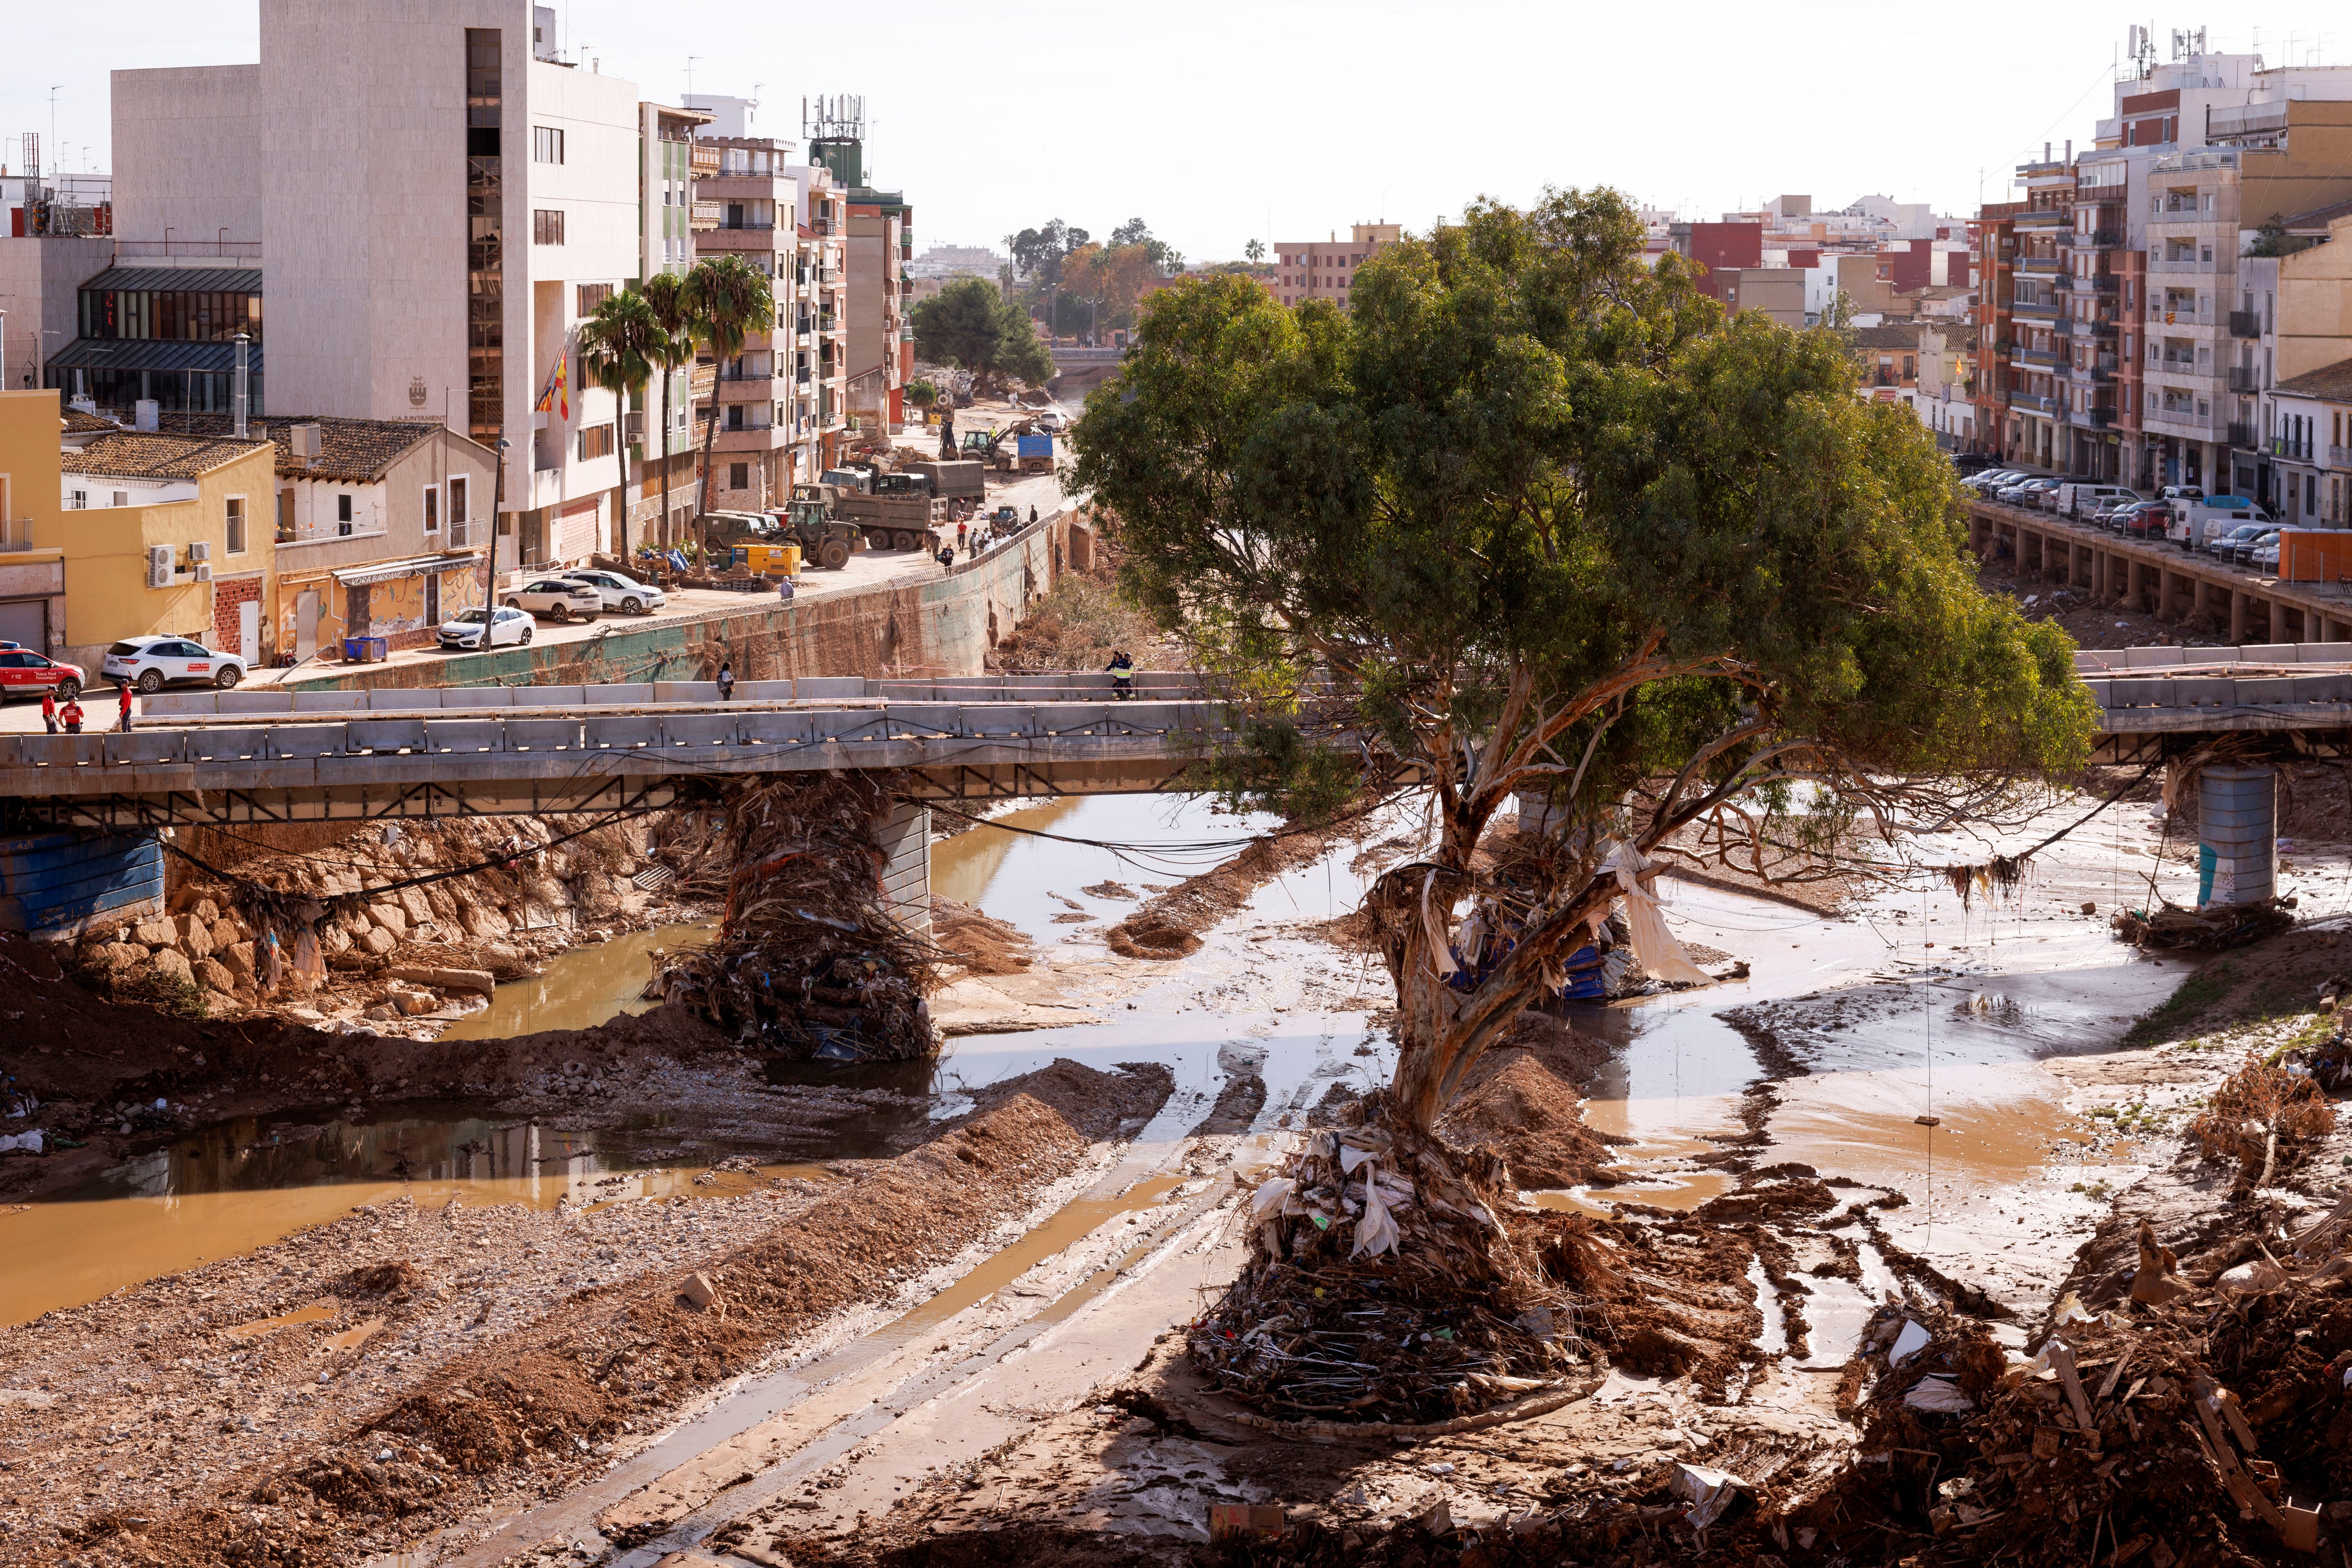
(558, 395)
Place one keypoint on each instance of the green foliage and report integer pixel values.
(969, 325)
(1528, 464)
(1555, 524)
(1037, 252)
(922, 393)
(2271, 238)
(1255, 251)
(621, 345)
(726, 299)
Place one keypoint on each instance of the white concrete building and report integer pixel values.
(439, 201)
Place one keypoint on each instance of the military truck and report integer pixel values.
(963, 485)
(894, 511)
(813, 518)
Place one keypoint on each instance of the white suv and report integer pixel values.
(557, 598)
(622, 593)
(151, 663)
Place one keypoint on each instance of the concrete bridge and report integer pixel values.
(2153, 701)
(2161, 579)
(279, 756)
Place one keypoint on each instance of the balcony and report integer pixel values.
(2036, 402)
(2179, 317)
(2243, 436)
(2245, 378)
(2098, 283)
(2045, 359)
(2179, 265)
(2245, 323)
(2039, 264)
(2339, 456)
(2037, 310)
(2043, 219)
(2100, 239)
(2289, 447)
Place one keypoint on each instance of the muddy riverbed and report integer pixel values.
(1954, 1072)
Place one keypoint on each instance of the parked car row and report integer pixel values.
(558, 596)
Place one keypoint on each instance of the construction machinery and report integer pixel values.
(893, 511)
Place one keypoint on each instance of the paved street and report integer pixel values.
(866, 569)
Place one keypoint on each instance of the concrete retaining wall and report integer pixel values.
(925, 623)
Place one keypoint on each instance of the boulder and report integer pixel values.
(155, 934)
(699, 1291)
(195, 936)
(226, 932)
(479, 980)
(389, 916)
(415, 1003)
(220, 1004)
(119, 957)
(239, 957)
(486, 920)
(379, 941)
(213, 975)
(207, 910)
(173, 962)
(334, 939)
(416, 906)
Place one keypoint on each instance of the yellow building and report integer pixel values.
(32, 575)
(171, 534)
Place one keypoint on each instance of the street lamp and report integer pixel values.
(491, 554)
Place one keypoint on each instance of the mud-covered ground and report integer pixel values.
(424, 1367)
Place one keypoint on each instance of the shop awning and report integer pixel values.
(414, 566)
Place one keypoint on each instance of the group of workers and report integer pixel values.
(69, 717)
(971, 544)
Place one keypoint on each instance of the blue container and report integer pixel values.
(366, 651)
(1032, 446)
(53, 884)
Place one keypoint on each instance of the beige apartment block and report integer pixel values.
(1326, 269)
(439, 201)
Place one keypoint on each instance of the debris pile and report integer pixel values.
(808, 962)
(2189, 1426)
(2209, 930)
(2259, 1113)
(1389, 1283)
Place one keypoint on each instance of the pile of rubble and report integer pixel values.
(808, 962)
(2168, 927)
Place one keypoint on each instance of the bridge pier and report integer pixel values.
(2239, 598)
(2237, 832)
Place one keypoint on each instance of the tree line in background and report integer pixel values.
(1061, 275)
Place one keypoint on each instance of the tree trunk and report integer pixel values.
(669, 372)
(621, 492)
(702, 512)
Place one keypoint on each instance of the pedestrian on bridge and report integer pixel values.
(725, 682)
(70, 716)
(1122, 675)
(122, 690)
(50, 709)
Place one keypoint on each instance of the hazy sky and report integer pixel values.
(1218, 121)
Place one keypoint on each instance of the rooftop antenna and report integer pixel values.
(690, 74)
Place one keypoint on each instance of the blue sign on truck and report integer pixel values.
(1034, 445)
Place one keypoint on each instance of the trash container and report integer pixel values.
(366, 651)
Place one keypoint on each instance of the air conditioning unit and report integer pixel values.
(633, 428)
(159, 566)
(204, 571)
(200, 550)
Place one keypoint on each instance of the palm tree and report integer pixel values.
(665, 294)
(727, 300)
(619, 343)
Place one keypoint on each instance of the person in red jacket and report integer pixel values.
(70, 716)
(50, 709)
(123, 688)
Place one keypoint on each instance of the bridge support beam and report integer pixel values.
(2238, 600)
(2237, 833)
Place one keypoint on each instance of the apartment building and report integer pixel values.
(1324, 269)
(779, 405)
(881, 338)
(433, 200)
(2310, 446)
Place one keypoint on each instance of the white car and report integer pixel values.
(468, 627)
(152, 663)
(557, 598)
(622, 593)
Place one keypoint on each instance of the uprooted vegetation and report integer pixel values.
(2264, 1118)
(808, 962)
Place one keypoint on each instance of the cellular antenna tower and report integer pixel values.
(834, 128)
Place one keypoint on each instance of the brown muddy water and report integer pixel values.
(582, 988)
(233, 1188)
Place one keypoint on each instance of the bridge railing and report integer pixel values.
(780, 736)
(2219, 690)
(822, 690)
(2092, 661)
